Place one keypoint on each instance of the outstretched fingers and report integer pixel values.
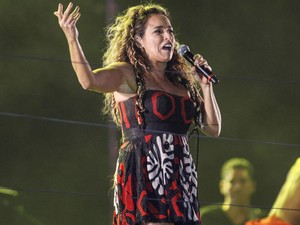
(59, 12)
(66, 14)
(67, 17)
(74, 16)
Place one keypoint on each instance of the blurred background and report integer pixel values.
(57, 151)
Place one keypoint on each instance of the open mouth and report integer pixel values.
(167, 47)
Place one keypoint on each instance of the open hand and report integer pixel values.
(67, 20)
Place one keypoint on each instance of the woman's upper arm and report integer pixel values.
(112, 78)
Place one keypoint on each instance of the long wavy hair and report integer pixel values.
(122, 47)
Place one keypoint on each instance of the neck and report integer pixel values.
(237, 213)
(241, 204)
(158, 74)
(235, 208)
(159, 68)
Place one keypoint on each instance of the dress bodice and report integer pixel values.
(163, 112)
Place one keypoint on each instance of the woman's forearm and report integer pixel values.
(212, 115)
(80, 65)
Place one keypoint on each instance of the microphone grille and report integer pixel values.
(182, 49)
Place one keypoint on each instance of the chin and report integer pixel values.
(168, 59)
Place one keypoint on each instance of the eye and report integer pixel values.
(171, 31)
(158, 31)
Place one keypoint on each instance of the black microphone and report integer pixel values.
(184, 51)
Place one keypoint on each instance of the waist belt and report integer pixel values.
(136, 133)
(133, 133)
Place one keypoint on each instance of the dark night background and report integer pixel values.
(55, 145)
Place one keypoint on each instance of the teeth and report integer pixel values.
(167, 46)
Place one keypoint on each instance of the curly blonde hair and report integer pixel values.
(123, 47)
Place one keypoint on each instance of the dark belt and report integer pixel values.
(133, 133)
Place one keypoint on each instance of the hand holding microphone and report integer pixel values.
(185, 52)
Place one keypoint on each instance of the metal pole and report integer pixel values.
(111, 9)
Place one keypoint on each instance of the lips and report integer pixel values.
(167, 46)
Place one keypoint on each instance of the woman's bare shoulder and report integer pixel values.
(128, 88)
(122, 66)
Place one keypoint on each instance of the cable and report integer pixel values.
(249, 206)
(39, 58)
(93, 194)
(49, 119)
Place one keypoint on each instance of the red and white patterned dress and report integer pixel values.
(156, 179)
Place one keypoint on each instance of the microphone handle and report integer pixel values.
(201, 69)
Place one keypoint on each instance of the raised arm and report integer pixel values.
(108, 79)
(287, 204)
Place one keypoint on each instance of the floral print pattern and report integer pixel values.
(159, 162)
(188, 181)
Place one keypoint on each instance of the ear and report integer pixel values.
(221, 187)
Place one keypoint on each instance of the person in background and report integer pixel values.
(12, 211)
(154, 96)
(237, 185)
(286, 208)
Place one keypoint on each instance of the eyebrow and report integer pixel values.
(162, 27)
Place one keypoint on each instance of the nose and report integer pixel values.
(168, 35)
(236, 186)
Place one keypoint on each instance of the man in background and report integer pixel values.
(237, 185)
